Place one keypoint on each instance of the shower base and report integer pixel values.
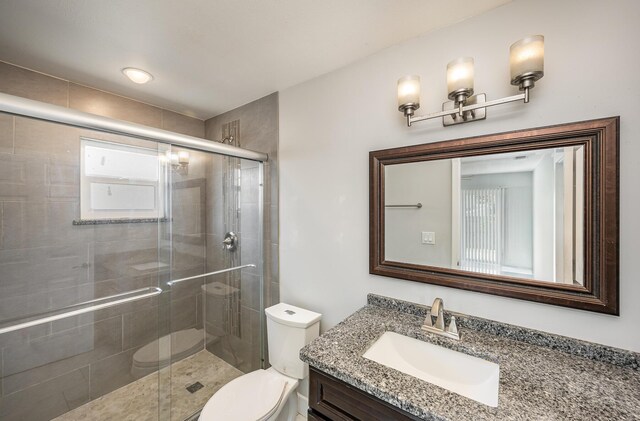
(140, 400)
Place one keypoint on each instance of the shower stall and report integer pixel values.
(131, 273)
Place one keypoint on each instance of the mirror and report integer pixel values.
(529, 214)
(517, 214)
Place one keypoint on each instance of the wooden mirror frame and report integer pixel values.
(600, 139)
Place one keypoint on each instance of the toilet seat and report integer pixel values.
(254, 396)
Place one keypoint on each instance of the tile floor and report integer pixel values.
(140, 400)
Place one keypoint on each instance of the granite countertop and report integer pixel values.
(542, 376)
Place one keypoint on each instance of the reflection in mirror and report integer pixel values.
(518, 214)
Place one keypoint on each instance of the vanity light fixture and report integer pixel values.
(183, 158)
(179, 161)
(527, 66)
(138, 76)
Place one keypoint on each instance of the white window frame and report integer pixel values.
(157, 211)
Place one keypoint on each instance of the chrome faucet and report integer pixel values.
(437, 308)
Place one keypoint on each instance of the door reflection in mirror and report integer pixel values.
(517, 214)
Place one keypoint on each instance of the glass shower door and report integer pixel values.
(216, 230)
(81, 272)
(130, 274)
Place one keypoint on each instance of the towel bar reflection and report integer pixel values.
(417, 205)
(151, 292)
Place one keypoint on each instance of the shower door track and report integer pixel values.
(39, 110)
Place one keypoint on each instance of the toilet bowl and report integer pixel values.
(269, 395)
(166, 350)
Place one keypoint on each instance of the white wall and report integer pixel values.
(329, 124)
(429, 183)
(543, 216)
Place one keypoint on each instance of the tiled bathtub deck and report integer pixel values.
(140, 400)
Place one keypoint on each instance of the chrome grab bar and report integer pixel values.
(417, 205)
(177, 281)
(152, 291)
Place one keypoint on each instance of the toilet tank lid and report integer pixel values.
(287, 314)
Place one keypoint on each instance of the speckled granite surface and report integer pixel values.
(118, 221)
(542, 376)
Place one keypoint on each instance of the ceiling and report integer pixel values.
(210, 56)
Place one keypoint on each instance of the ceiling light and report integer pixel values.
(527, 66)
(137, 75)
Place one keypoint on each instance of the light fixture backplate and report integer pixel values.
(478, 114)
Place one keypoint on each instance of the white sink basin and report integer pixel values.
(460, 373)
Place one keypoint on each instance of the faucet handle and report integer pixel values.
(427, 320)
(453, 327)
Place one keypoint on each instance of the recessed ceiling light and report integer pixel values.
(137, 75)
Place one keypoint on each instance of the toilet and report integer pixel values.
(269, 395)
(166, 350)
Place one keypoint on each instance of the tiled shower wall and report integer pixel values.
(46, 263)
(258, 127)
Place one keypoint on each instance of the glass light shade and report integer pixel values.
(460, 75)
(409, 91)
(527, 57)
(183, 157)
(137, 75)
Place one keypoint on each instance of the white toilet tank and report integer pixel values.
(289, 329)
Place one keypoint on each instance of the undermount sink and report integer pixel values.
(460, 373)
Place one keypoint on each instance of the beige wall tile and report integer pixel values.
(28, 84)
(22, 178)
(6, 133)
(86, 343)
(105, 104)
(258, 124)
(179, 123)
(111, 373)
(47, 140)
(140, 328)
(46, 400)
(34, 224)
(259, 132)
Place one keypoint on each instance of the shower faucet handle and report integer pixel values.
(230, 241)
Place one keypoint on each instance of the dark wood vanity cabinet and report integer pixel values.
(332, 399)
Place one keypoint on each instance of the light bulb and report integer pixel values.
(460, 77)
(526, 59)
(409, 92)
(183, 157)
(137, 75)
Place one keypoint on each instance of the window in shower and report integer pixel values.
(119, 182)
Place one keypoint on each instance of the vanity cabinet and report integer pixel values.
(332, 399)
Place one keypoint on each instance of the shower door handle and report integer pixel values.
(148, 292)
(217, 272)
